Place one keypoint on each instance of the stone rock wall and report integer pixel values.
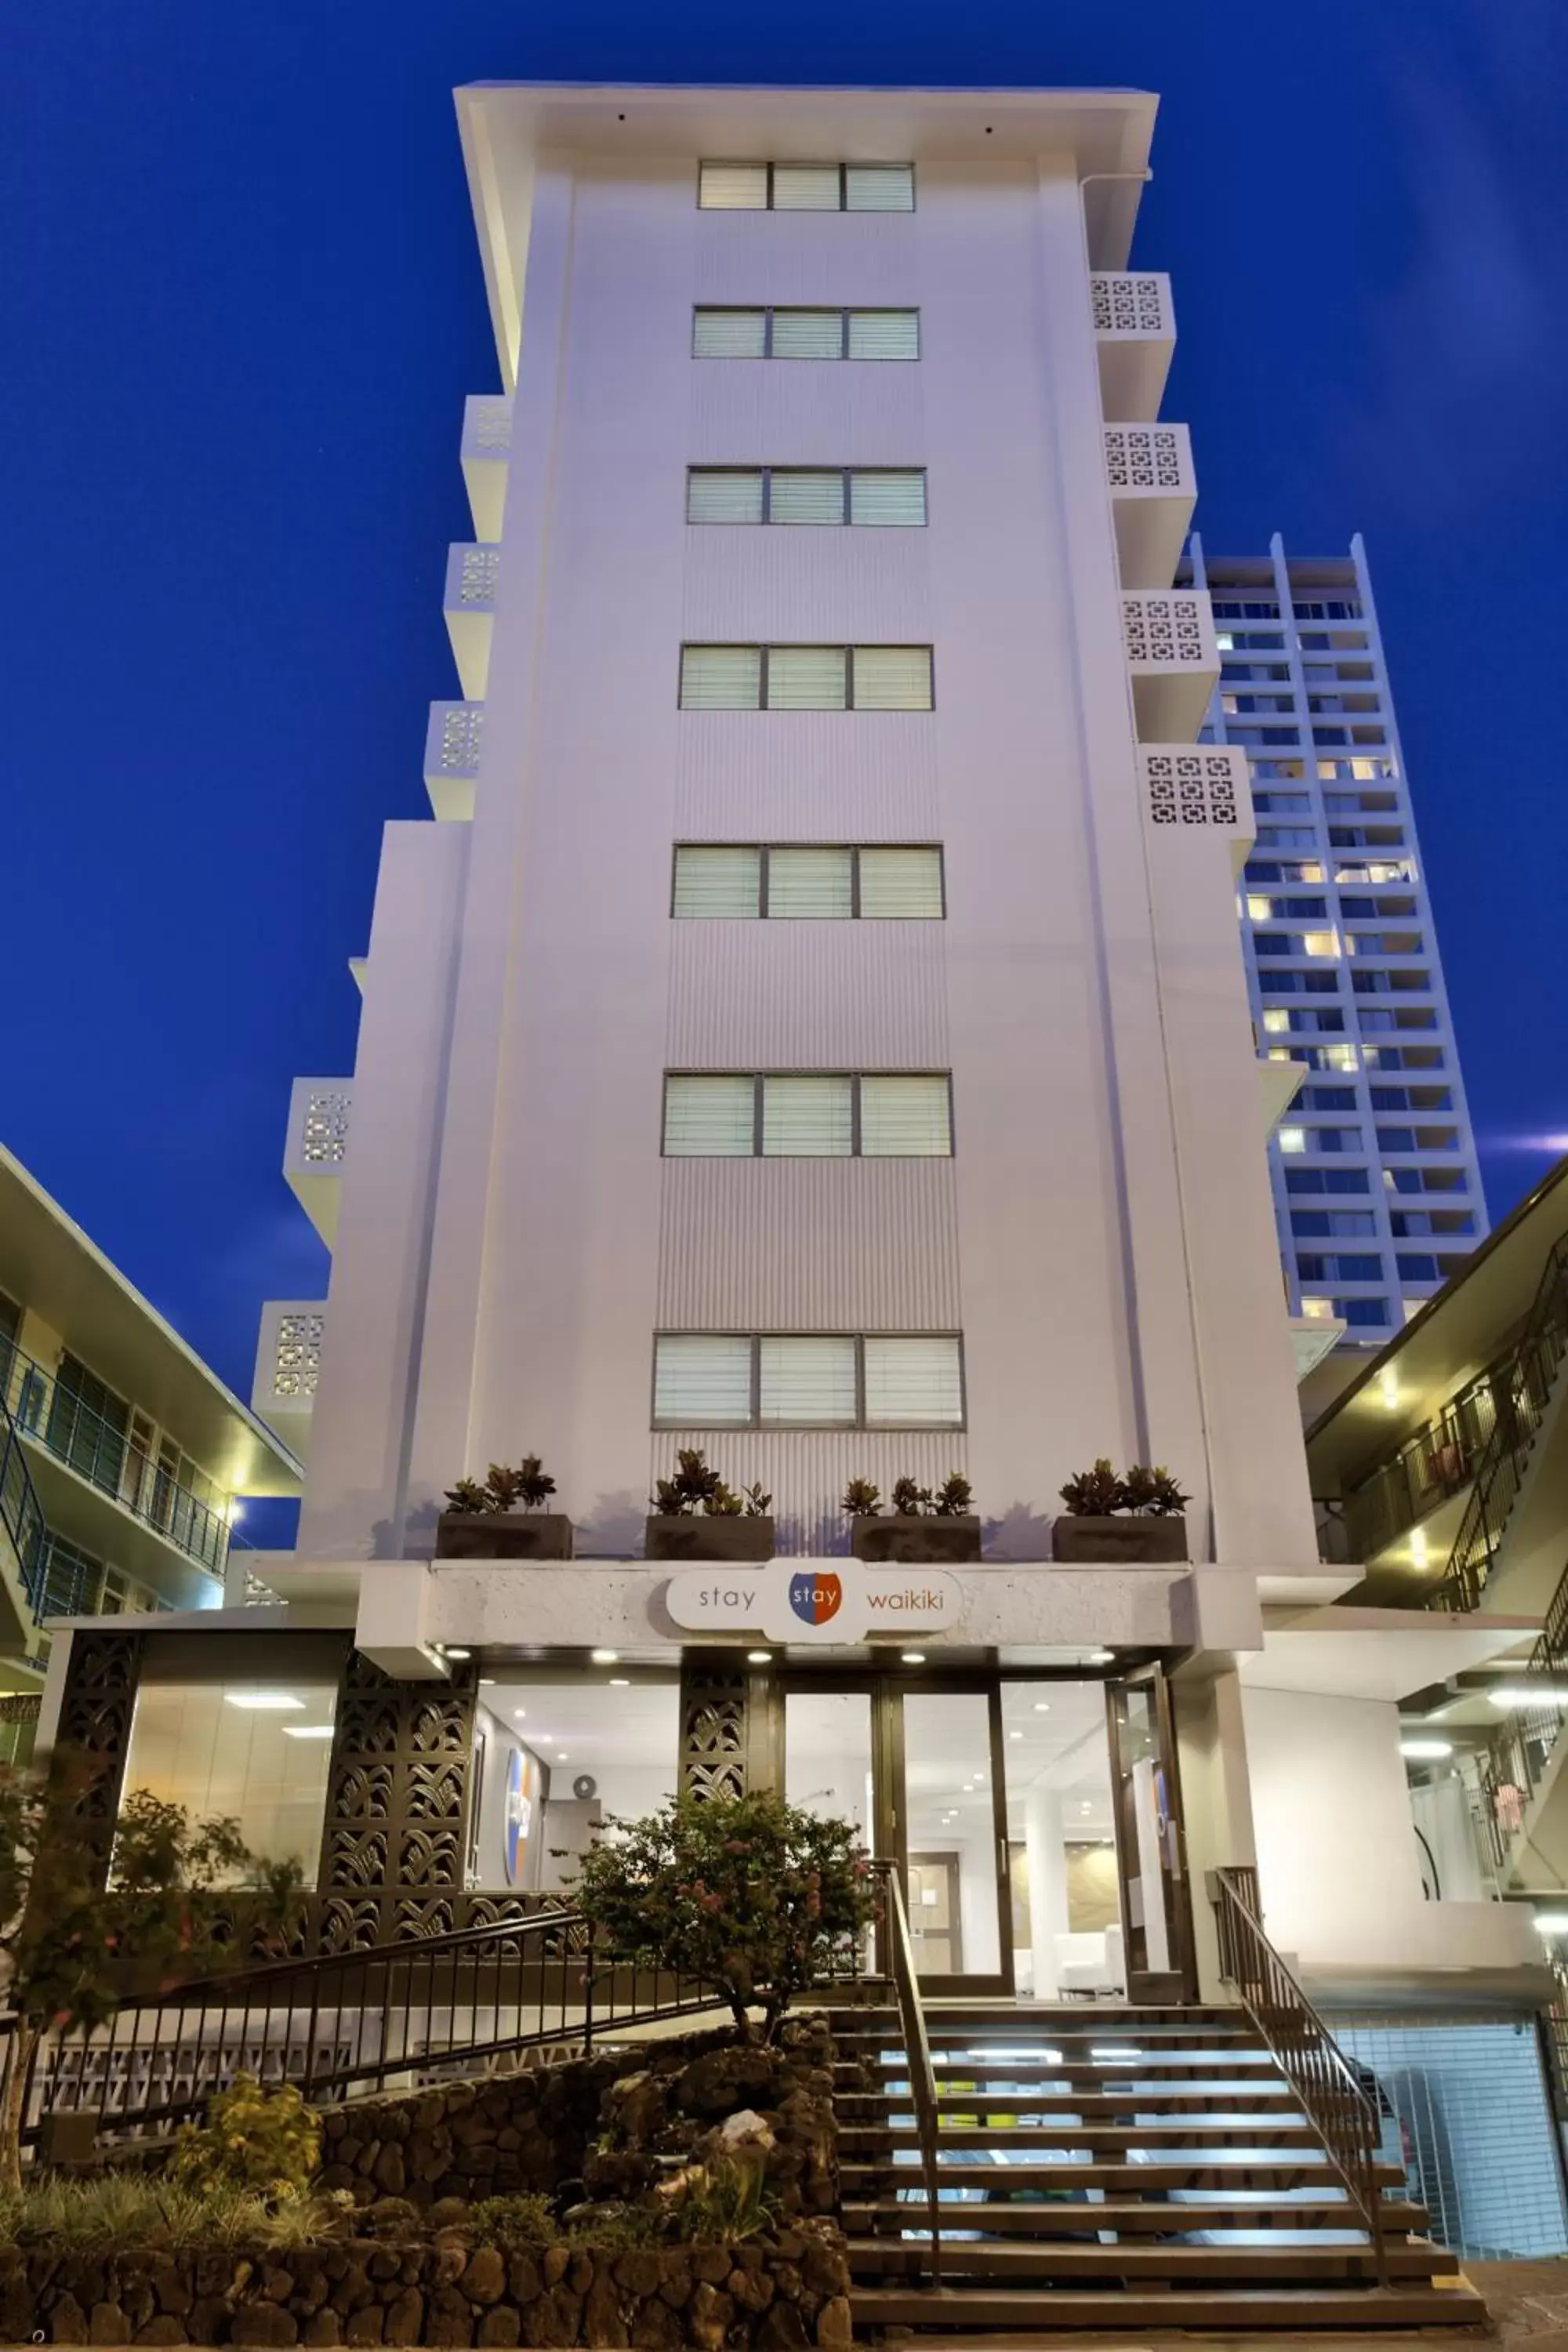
(778, 2293)
(506, 2135)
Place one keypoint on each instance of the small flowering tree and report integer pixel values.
(753, 1897)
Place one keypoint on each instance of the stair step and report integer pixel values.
(1197, 2172)
(1196, 2131)
(1275, 2265)
(1118, 2309)
(1062, 2216)
(865, 2107)
(1195, 2066)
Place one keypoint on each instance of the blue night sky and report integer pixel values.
(242, 318)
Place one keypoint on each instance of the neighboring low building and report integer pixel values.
(122, 1457)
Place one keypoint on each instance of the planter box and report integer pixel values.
(503, 1534)
(1124, 1541)
(911, 1540)
(717, 1538)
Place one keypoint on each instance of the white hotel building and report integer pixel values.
(811, 1027)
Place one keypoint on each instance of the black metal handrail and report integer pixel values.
(348, 2021)
(1332, 2098)
(899, 1960)
(23, 1534)
(1523, 1390)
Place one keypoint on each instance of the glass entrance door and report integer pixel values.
(1150, 1856)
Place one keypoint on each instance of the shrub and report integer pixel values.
(749, 1894)
(693, 1487)
(503, 1489)
(1093, 1493)
(1152, 1492)
(517, 2225)
(718, 2203)
(952, 1497)
(911, 1501)
(266, 2142)
(121, 2211)
(862, 1500)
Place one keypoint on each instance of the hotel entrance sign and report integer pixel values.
(812, 1600)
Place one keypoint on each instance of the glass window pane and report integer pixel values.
(879, 188)
(732, 187)
(886, 497)
(720, 678)
(810, 1381)
(729, 335)
(709, 1118)
(525, 1722)
(805, 188)
(807, 1117)
(718, 882)
(1061, 1839)
(913, 1384)
(703, 1379)
(900, 882)
(807, 497)
(892, 678)
(723, 494)
(806, 678)
(808, 334)
(257, 1750)
(905, 1118)
(884, 334)
(810, 883)
(950, 1833)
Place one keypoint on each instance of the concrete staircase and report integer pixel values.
(1111, 2167)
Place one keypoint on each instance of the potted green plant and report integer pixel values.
(1132, 1521)
(504, 1517)
(926, 1527)
(695, 1516)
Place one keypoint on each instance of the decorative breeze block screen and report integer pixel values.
(297, 1353)
(1126, 304)
(324, 1131)
(1144, 457)
(1196, 787)
(462, 737)
(477, 575)
(1164, 631)
(488, 420)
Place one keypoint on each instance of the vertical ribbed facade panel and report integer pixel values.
(784, 412)
(807, 996)
(807, 583)
(807, 775)
(808, 1244)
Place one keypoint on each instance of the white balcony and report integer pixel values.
(319, 1112)
(469, 602)
(453, 742)
(287, 1363)
(1149, 473)
(486, 445)
(1135, 331)
(1175, 662)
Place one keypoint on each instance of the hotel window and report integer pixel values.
(806, 187)
(784, 882)
(257, 1750)
(806, 678)
(734, 333)
(880, 496)
(721, 1380)
(802, 1116)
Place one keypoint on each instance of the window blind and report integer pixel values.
(806, 1380)
(720, 678)
(879, 188)
(723, 494)
(913, 1384)
(807, 188)
(906, 1117)
(901, 883)
(801, 496)
(892, 678)
(719, 882)
(884, 335)
(809, 1118)
(709, 1118)
(810, 883)
(703, 1379)
(732, 187)
(806, 677)
(808, 334)
(729, 334)
(886, 497)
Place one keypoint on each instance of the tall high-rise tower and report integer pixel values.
(1376, 1186)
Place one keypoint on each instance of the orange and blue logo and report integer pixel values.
(815, 1598)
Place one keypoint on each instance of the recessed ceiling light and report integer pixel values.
(519, 1711)
(1102, 1657)
(1426, 1750)
(562, 1757)
(1014, 1735)
(1042, 1707)
(1086, 1807)
(913, 1657)
(759, 1657)
(604, 1657)
(459, 1653)
(486, 1681)
(620, 1682)
(307, 1731)
(264, 1702)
